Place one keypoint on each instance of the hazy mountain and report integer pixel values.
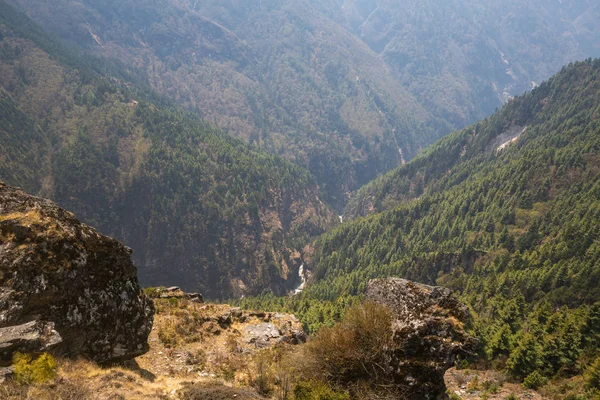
(463, 58)
(348, 89)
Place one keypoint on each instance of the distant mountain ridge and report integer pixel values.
(463, 58)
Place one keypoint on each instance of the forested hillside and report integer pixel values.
(507, 185)
(507, 212)
(200, 209)
(347, 89)
(279, 74)
(129, 121)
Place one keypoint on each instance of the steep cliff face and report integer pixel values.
(64, 287)
(428, 331)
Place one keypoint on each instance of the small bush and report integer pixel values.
(316, 390)
(578, 397)
(262, 380)
(492, 387)
(354, 349)
(227, 372)
(167, 335)
(473, 386)
(512, 396)
(28, 370)
(534, 381)
(153, 292)
(173, 302)
(462, 364)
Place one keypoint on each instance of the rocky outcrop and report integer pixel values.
(260, 329)
(29, 337)
(428, 333)
(64, 287)
(277, 328)
(174, 292)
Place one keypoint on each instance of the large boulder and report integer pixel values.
(64, 287)
(428, 333)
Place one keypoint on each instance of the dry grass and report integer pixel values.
(83, 380)
(34, 217)
(28, 218)
(196, 352)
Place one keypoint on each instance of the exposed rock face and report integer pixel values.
(29, 337)
(264, 329)
(64, 287)
(174, 292)
(428, 332)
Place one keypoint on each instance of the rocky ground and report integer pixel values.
(70, 291)
(469, 384)
(197, 351)
(194, 341)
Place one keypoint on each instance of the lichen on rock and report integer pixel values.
(428, 333)
(72, 290)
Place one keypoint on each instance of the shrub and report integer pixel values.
(173, 302)
(473, 386)
(262, 380)
(153, 292)
(28, 370)
(167, 335)
(535, 380)
(462, 364)
(492, 386)
(354, 349)
(315, 390)
(592, 375)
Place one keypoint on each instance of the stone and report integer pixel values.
(174, 292)
(64, 287)
(195, 297)
(261, 334)
(5, 373)
(29, 337)
(236, 312)
(428, 331)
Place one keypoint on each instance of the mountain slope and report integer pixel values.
(447, 162)
(279, 74)
(22, 145)
(470, 206)
(348, 89)
(507, 212)
(198, 207)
